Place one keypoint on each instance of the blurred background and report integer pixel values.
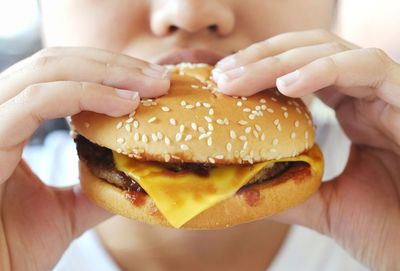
(368, 23)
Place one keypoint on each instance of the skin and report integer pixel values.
(359, 208)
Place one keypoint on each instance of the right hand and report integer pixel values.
(37, 222)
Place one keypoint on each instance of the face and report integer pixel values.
(168, 31)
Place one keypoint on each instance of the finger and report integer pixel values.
(55, 100)
(361, 73)
(254, 77)
(147, 81)
(279, 44)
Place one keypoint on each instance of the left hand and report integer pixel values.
(360, 208)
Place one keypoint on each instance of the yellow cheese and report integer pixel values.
(180, 196)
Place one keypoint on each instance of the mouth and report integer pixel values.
(190, 55)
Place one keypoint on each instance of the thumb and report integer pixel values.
(81, 213)
(313, 213)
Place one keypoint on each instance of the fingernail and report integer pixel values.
(227, 63)
(127, 94)
(235, 73)
(156, 74)
(215, 73)
(283, 82)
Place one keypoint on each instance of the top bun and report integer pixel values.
(195, 123)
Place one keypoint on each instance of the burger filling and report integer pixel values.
(101, 163)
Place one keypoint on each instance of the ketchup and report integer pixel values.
(250, 195)
(136, 198)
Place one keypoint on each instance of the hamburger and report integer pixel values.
(196, 158)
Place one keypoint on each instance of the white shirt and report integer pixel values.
(303, 249)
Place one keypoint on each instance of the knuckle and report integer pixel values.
(380, 55)
(43, 61)
(48, 51)
(337, 46)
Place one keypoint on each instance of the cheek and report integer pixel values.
(101, 24)
(263, 19)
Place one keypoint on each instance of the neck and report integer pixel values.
(135, 246)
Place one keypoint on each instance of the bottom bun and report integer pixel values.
(254, 202)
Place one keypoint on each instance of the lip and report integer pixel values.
(190, 55)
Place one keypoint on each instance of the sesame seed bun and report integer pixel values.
(195, 123)
(287, 190)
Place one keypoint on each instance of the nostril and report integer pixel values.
(213, 28)
(172, 29)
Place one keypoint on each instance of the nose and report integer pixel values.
(192, 16)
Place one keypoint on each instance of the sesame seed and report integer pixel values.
(306, 134)
(184, 147)
(255, 133)
(209, 141)
(247, 130)
(188, 137)
(275, 141)
(154, 137)
(172, 121)
(167, 157)
(239, 103)
(144, 139)
(151, 120)
(136, 124)
(183, 103)
(211, 112)
(246, 109)
(119, 150)
(132, 114)
(226, 121)
(276, 122)
(286, 114)
(130, 155)
(284, 108)
(127, 127)
(220, 121)
(178, 137)
(258, 107)
(202, 130)
(219, 156)
(279, 127)
(298, 110)
(210, 127)
(263, 101)
(232, 134)
(211, 160)
(189, 106)
(258, 127)
(263, 107)
(87, 125)
(243, 138)
(206, 105)
(208, 119)
(293, 135)
(273, 99)
(129, 120)
(245, 145)
(181, 128)
(229, 147)
(160, 135)
(296, 124)
(195, 86)
(165, 109)
(202, 136)
(167, 140)
(243, 98)
(270, 110)
(136, 137)
(252, 116)
(243, 122)
(194, 126)
(263, 137)
(119, 125)
(120, 140)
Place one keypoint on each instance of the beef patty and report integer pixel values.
(100, 162)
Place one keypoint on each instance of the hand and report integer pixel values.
(37, 221)
(360, 209)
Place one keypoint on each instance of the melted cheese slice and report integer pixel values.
(180, 196)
